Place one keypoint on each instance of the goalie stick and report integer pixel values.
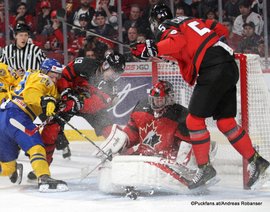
(85, 172)
(108, 157)
(61, 13)
(29, 132)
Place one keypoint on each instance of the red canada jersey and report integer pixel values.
(187, 41)
(78, 73)
(156, 136)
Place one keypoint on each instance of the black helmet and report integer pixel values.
(115, 61)
(159, 13)
(21, 28)
(85, 67)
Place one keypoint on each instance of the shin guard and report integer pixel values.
(38, 160)
(200, 138)
(237, 136)
(49, 136)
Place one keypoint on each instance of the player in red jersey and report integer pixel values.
(147, 132)
(80, 97)
(156, 129)
(204, 59)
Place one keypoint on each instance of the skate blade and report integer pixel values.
(32, 181)
(60, 188)
(262, 180)
(204, 188)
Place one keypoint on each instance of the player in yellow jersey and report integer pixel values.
(35, 94)
(8, 80)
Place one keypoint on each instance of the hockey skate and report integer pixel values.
(47, 184)
(63, 144)
(259, 172)
(66, 153)
(204, 178)
(16, 177)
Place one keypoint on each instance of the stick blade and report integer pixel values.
(16, 124)
(21, 127)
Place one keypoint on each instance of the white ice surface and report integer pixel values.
(84, 195)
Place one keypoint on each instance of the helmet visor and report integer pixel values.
(157, 103)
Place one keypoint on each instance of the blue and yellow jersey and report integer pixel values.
(27, 95)
(8, 80)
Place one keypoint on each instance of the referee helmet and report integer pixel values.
(21, 28)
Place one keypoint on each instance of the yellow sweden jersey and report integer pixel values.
(7, 81)
(27, 95)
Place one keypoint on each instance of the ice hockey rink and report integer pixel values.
(84, 195)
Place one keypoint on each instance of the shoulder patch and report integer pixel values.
(173, 32)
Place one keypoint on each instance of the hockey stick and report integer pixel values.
(61, 13)
(86, 173)
(108, 157)
(61, 16)
(21, 127)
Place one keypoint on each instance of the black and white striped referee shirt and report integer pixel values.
(29, 57)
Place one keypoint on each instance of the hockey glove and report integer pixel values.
(83, 92)
(137, 50)
(114, 143)
(151, 48)
(65, 93)
(48, 105)
(72, 100)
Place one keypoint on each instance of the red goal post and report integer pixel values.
(253, 107)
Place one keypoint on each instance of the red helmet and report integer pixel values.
(54, 14)
(161, 95)
(45, 4)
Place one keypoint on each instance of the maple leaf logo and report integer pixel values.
(149, 135)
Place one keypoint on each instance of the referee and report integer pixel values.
(22, 55)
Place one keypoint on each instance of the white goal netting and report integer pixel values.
(254, 101)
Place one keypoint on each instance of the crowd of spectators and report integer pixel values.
(244, 19)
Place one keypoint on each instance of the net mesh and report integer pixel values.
(258, 105)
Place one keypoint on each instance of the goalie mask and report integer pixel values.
(161, 95)
(159, 13)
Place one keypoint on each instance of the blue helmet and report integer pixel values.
(52, 65)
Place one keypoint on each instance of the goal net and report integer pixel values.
(253, 110)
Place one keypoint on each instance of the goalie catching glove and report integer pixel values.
(72, 100)
(144, 50)
(48, 105)
(114, 143)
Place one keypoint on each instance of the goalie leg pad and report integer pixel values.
(143, 172)
(186, 157)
